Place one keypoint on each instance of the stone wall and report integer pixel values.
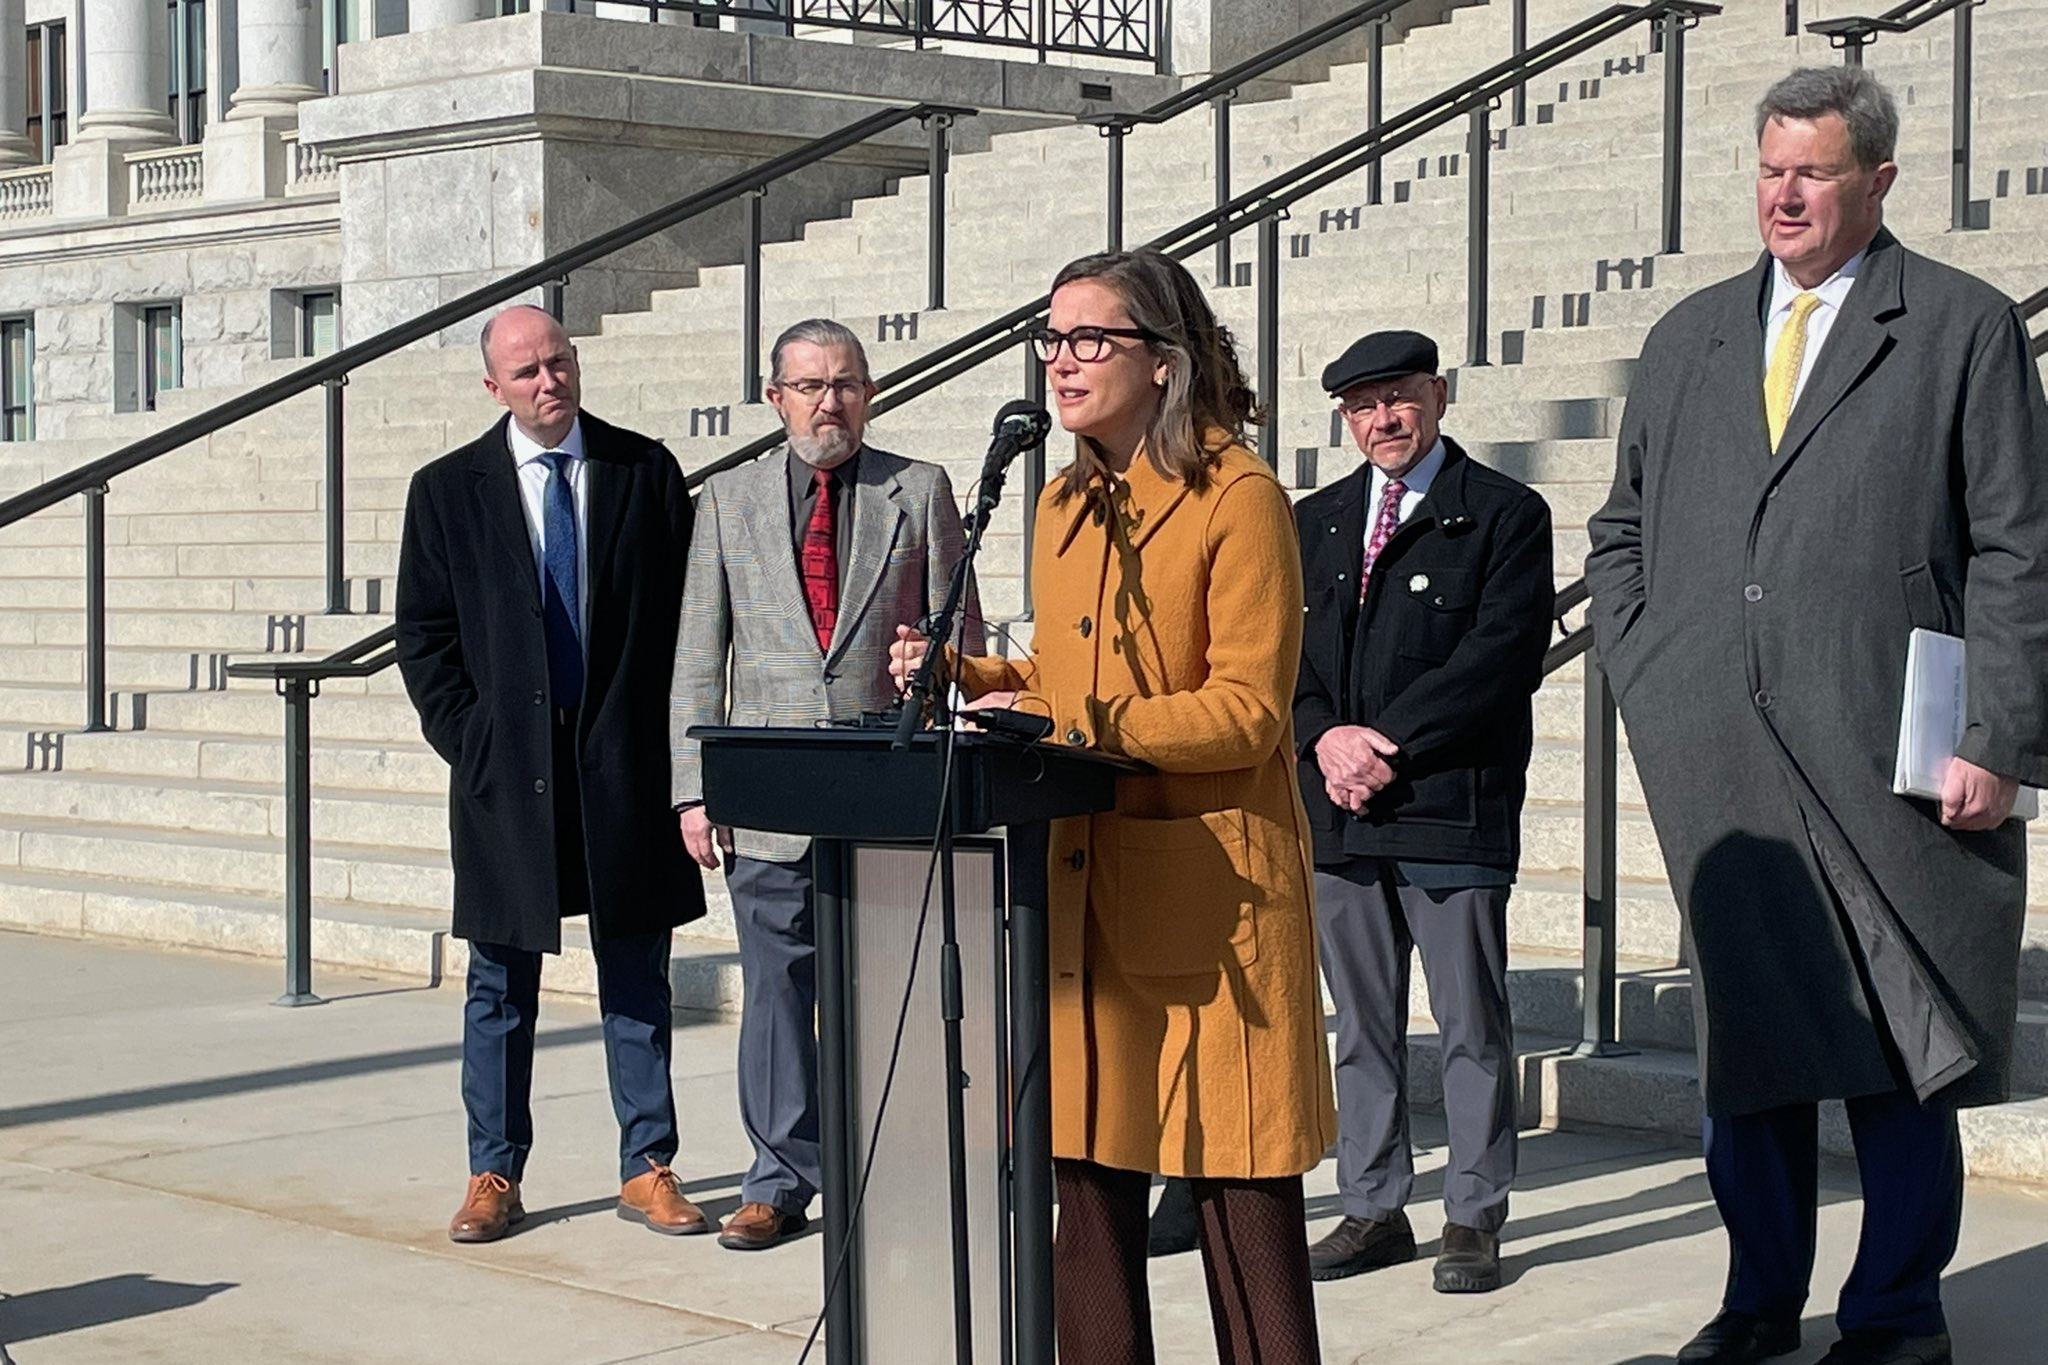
(85, 289)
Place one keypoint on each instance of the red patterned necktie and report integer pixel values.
(820, 563)
(1382, 530)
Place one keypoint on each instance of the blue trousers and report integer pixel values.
(1764, 1170)
(497, 1052)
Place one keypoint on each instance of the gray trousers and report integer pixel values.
(778, 1059)
(1367, 926)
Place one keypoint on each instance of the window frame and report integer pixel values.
(46, 69)
(18, 421)
(151, 381)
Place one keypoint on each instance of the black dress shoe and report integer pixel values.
(1739, 1339)
(1889, 1348)
(1468, 1262)
(1357, 1245)
(1175, 1227)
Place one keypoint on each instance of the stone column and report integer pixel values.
(279, 43)
(127, 74)
(422, 15)
(14, 145)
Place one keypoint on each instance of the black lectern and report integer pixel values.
(874, 814)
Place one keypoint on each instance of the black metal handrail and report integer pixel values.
(91, 480)
(1853, 33)
(1264, 205)
(1221, 90)
(2032, 306)
(298, 682)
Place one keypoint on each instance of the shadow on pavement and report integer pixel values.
(1995, 1313)
(279, 1077)
(52, 1312)
(715, 1209)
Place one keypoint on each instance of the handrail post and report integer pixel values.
(1116, 133)
(935, 214)
(1375, 99)
(96, 608)
(298, 694)
(337, 531)
(1791, 18)
(1601, 867)
(1221, 119)
(1959, 171)
(750, 304)
(1479, 189)
(1673, 27)
(551, 296)
(1520, 21)
(1852, 48)
(1269, 336)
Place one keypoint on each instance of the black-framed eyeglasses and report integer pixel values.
(1088, 344)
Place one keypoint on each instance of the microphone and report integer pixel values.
(1020, 426)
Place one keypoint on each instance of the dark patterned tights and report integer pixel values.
(1254, 1256)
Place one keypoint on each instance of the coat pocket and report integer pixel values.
(1186, 901)
(1927, 605)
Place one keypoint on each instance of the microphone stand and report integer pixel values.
(922, 697)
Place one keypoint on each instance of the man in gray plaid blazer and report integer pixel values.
(802, 565)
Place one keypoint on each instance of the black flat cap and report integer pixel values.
(1380, 355)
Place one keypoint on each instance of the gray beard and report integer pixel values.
(830, 451)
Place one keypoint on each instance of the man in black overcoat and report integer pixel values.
(1428, 584)
(538, 591)
(1843, 443)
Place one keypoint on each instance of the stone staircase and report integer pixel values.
(169, 829)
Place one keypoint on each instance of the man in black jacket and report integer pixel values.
(1428, 586)
(539, 584)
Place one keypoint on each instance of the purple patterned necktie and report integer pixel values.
(1382, 530)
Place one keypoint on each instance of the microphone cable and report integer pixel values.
(840, 1258)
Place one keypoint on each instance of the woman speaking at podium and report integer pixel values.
(1187, 1028)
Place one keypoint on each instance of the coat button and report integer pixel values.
(540, 784)
(540, 699)
(1753, 593)
(1074, 736)
(1078, 860)
(1087, 627)
(1763, 700)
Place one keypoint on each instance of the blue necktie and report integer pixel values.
(559, 597)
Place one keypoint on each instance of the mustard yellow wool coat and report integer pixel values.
(1187, 1027)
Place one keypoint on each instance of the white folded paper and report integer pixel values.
(1931, 719)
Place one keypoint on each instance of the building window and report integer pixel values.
(17, 379)
(319, 322)
(188, 68)
(49, 123)
(163, 347)
(338, 25)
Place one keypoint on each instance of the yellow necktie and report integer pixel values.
(1781, 380)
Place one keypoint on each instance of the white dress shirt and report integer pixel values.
(1415, 482)
(1819, 322)
(533, 483)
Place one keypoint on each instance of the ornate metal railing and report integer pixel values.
(1130, 30)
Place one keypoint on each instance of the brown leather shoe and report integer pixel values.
(656, 1200)
(756, 1227)
(488, 1211)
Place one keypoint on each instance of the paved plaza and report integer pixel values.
(190, 1175)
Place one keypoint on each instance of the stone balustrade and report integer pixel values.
(168, 176)
(24, 193)
(306, 168)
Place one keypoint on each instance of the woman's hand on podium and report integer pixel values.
(906, 655)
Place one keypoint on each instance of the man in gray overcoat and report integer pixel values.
(1843, 443)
